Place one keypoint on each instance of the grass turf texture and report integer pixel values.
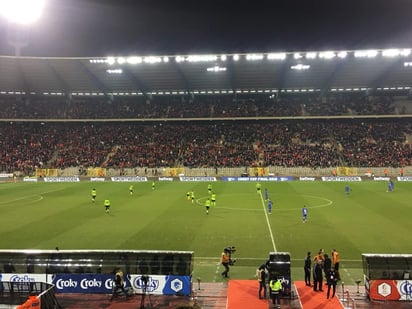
(369, 220)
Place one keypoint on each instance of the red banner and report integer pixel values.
(389, 289)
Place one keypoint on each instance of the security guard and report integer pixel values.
(261, 275)
(275, 290)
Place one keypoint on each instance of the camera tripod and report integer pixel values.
(144, 293)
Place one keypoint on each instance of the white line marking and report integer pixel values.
(259, 258)
(30, 196)
(268, 223)
(326, 204)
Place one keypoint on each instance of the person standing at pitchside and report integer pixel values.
(262, 275)
(306, 268)
(335, 261)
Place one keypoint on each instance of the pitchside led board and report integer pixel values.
(91, 271)
(388, 276)
(278, 266)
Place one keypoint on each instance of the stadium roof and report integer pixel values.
(209, 74)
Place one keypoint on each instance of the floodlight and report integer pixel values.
(110, 60)
(276, 56)
(254, 57)
(216, 69)
(152, 59)
(114, 71)
(395, 52)
(366, 53)
(405, 52)
(327, 55)
(311, 55)
(297, 56)
(121, 60)
(390, 52)
(342, 54)
(201, 58)
(134, 60)
(22, 11)
(236, 57)
(300, 67)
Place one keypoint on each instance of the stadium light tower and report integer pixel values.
(20, 14)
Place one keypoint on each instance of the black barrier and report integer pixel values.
(278, 266)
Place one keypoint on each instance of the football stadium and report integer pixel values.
(176, 180)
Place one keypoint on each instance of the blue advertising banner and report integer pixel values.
(103, 284)
(85, 283)
(177, 285)
(161, 285)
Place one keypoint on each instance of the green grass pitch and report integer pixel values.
(369, 220)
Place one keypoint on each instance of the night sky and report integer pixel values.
(126, 27)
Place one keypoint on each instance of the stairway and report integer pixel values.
(211, 295)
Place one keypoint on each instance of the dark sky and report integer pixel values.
(125, 27)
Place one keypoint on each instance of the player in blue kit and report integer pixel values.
(270, 204)
(347, 190)
(391, 186)
(304, 214)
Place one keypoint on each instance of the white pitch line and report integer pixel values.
(29, 196)
(257, 258)
(268, 223)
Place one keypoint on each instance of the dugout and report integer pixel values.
(147, 262)
(278, 266)
(386, 266)
(388, 276)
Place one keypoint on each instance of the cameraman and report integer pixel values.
(118, 284)
(225, 261)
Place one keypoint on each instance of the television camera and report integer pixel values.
(229, 251)
(145, 280)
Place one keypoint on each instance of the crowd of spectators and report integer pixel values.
(25, 146)
(201, 106)
(114, 140)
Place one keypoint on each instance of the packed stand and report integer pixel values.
(25, 146)
(200, 106)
